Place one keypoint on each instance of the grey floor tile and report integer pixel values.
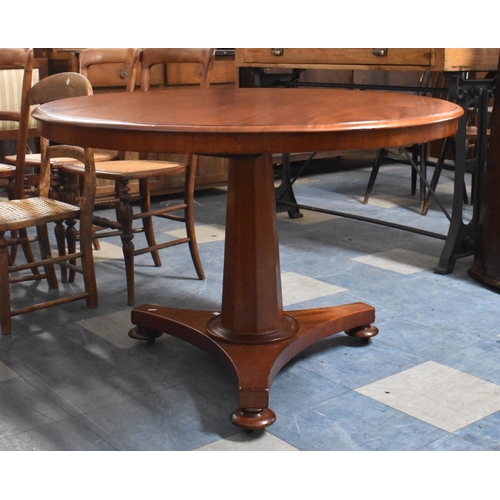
(452, 443)
(484, 433)
(67, 435)
(352, 422)
(170, 420)
(71, 379)
(22, 408)
(296, 388)
(349, 363)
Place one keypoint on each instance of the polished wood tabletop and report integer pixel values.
(251, 333)
(241, 121)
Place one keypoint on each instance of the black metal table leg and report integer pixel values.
(461, 235)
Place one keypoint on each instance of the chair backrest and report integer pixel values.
(16, 76)
(52, 88)
(151, 57)
(59, 86)
(129, 58)
(14, 106)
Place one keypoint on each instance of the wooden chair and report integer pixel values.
(35, 212)
(16, 67)
(143, 170)
(23, 59)
(14, 109)
(419, 152)
(471, 136)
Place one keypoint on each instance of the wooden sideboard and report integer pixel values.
(370, 59)
(392, 67)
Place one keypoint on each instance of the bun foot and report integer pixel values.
(252, 419)
(149, 336)
(363, 332)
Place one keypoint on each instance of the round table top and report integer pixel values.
(228, 120)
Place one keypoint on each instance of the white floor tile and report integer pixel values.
(399, 261)
(309, 217)
(256, 441)
(204, 233)
(436, 394)
(385, 201)
(108, 251)
(298, 288)
(113, 327)
(6, 373)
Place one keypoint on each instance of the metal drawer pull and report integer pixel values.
(277, 52)
(379, 52)
(123, 75)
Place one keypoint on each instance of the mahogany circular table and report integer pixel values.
(252, 333)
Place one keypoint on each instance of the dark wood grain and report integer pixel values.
(486, 265)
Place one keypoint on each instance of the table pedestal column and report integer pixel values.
(252, 334)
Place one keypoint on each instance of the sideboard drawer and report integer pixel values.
(376, 57)
(115, 75)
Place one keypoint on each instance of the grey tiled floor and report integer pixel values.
(71, 378)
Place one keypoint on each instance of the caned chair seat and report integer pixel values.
(15, 214)
(34, 159)
(130, 169)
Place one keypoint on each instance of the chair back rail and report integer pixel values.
(129, 57)
(18, 59)
(151, 57)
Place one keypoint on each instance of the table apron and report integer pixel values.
(230, 144)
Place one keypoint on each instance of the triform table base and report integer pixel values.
(254, 365)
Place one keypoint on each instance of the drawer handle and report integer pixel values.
(277, 52)
(123, 75)
(379, 52)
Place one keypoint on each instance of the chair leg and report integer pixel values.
(95, 240)
(147, 222)
(373, 175)
(189, 217)
(88, 270)
(124, 215)
(415, 155)
(447, 144)
(27, 250)
(5, 316)
(423, 171)
(71, 237)
(193, 246)
(45, 252)
(13, 250)
(61, 248)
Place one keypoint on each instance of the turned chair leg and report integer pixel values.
(71, 237)
(124, 215)
(5, 317)
(45, 252)
(147, 222)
